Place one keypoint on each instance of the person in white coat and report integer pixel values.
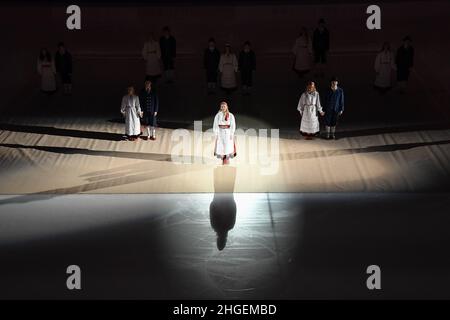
(151, 52)
(131, 110)
(302, 51)
(309, 106)
(47, 71)
(228, 67)
(384, 65)
(224, 127)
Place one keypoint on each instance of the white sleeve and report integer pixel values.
(301, 104)
(216, 124)
(232, 124)
(377, 63)
(221, 64)
(318, 105)
(137, 105)
(235, 63)
(123, 105)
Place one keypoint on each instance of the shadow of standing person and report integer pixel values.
(222, 210)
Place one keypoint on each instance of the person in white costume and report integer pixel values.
(309, 106)
(131, 110)
(151, 52)
(302, 51)
(47, 71)
(384, 64)
(228, 67)
(224, 127)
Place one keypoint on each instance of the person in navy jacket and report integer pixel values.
(150, 105)
(333, 107)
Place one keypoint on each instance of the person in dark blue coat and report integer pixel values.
(168, 46)
(211, 58)
(247, 64)
(404, 60)
(321, 46)
(149, 102)
(333, 107)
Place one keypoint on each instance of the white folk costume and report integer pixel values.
(152, 56)
(131, 110)
(224, 127)
(47, 71)
(384, 64)
(303, 53)
(228, 66)
(309, 106)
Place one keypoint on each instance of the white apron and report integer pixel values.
(224, 130)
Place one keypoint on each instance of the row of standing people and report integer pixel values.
(50, 67)
(313, 53)
(143, 109)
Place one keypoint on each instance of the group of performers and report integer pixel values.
(145, 106)
(310, 108)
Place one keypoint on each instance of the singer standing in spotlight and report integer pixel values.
(224, 127)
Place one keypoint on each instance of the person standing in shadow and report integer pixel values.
(222, 210)
(302, 52)
(168, 47)
(63, 64)
(228, 67)
(247, 64)
(211, 58)
(321, 45)
(384, 64)
(47, 71)
(404, 60)
(151, 53)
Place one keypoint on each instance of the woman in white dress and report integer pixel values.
(309, 106)
(47, 71)
(152, 56)
(384, 64)
(224, 127)
(228, 67)
(131, 110)
(302, 51)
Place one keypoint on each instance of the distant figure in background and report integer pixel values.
(224, 127)
(63, 63)
(247, 64)
(47, 71)
(384, 64)
(152, 55)
(302, 52)
(168, 47)
(309, 106)
(228, 66)
(131, 110)
(149, 102)
(211, 58)
(321, 45)
(333, 107)
(404, 61)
